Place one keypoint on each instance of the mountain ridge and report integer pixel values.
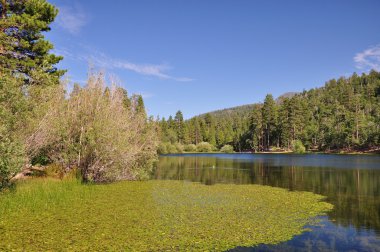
(245, 108)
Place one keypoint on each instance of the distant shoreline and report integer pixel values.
(375, 151)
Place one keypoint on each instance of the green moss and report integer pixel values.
(152, 215)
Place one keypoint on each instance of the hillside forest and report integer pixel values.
(343, 115)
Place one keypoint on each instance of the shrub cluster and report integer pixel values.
(204, 147)
(12, 111)
(227, 149)
(298, 147)
(99, 130)
(190, 148)
(169, 148)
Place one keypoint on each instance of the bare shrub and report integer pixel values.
(94, 130)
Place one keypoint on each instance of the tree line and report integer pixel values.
(344, 114)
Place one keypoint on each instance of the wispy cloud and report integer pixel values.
(72, 18)
(368, 59)
(102, 60)
(156, 70)
(146, 69)
(146, 95)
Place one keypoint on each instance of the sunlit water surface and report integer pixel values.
(350, 182)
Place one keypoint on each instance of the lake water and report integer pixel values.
(350, 182)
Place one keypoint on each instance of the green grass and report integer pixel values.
(149, 216)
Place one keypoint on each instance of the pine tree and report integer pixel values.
(256, 128)
(23, 50)
(210, 129)
(269, 115)
(179, 126)
(126, 100)
(138, 105)
(197, 131)
(171, 123)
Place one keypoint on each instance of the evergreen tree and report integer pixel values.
(23, 50)
(179, 126)
(186, 134)
(171, 123)
(126, 100)
(209, 123)
(269, 115)
(197, 131)
(257, 129)
(138, 105)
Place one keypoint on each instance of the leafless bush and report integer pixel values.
(94, 130)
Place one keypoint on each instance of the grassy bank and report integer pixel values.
(45, 214)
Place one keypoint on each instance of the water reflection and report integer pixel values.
(351, 183)
(328, 237)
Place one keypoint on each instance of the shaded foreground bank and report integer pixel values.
(151, 215)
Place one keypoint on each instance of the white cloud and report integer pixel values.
(146, 95)
(368, 59)
(159, 71)
(72, 18)
(145, 69)
(99, 59)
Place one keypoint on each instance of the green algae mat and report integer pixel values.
(48, 215)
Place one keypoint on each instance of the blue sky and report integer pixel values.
(203, 55)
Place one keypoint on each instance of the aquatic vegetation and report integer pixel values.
(151, 215)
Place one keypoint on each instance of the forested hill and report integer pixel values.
(343, 114)
(243, 110)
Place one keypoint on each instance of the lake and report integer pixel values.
(350, 182)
